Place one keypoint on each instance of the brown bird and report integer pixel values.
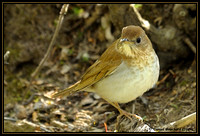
(127, 69)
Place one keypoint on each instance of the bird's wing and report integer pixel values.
(103, 67)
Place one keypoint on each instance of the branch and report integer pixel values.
(60, 21)
(182, 122)
(190, 45)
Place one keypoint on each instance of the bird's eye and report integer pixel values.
(138, 40)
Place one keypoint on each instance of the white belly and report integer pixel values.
(127, 84)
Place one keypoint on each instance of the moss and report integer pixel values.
(14, 52)
(15, 88)
(183, 83)
(13, 127)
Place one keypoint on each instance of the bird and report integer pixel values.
(128, 68)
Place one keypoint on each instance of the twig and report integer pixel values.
(28, 123)
(163, 79)
(10, 119)
(182, 122)
(58, 123)
(190, 44)
(144, 23)
(172, 72)
(60, 21)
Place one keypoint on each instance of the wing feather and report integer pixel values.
(103, 67)
(106, 65)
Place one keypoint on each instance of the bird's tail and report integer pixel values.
(66, 92)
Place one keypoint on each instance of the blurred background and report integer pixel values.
(86, 32)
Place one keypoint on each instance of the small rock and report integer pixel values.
(20, 111)
(96, 96)
(8, 107)
(64, 52)
(193, 85)
(65, 69)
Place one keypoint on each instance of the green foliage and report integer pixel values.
(183, 83)
(77, 11)
(174, 105)
(55, 22)
(138, 6)
(62, 62)
(85, 57)
(70, 52)
(80, 35)
(36, 99)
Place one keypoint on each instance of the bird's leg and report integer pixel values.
(123, 112)
(127, 114)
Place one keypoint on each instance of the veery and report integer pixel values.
(127, 69)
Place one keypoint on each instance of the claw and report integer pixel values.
(128, 115)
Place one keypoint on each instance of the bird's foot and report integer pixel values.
(129, 115)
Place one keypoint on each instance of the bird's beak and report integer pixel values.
(124, 39)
